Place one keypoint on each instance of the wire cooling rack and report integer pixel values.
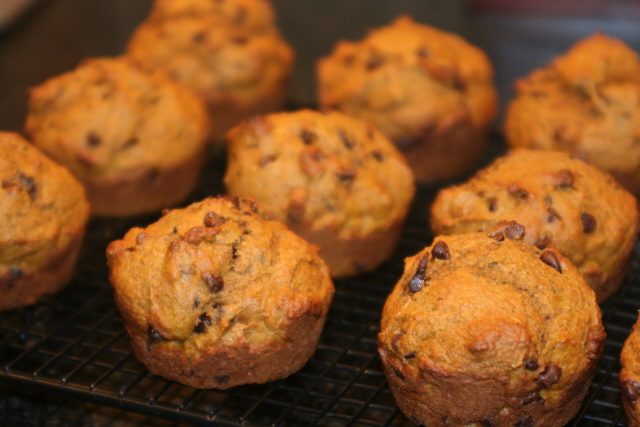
(74, 345)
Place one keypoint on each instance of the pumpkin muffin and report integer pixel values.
(630, 376)
(44, 213)
(332, 179)
(137, 141)
(560, 200)
(485, 329)
(239, 71)
(428, 90)
(214, 295)
(585, 102)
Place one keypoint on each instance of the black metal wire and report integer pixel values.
(74, 345)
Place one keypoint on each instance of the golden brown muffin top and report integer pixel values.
(489, 306)
(323, 169)
(254, 15)
(43, 206)
(560, 200)
(107, 118)
(221, 61)
(409, 77)
(585, 102)
(216, 274)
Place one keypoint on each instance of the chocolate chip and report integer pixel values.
(410, 355)
(595, 344)
(550, 375)
(265, 160)
(564, 179)
(27, 184)
(394, 342)
(198, 37)
(520, 193)
(346, 140)
(377, 155)
(551, 259)
(308, 137)
(531, 398)
(129, 143)
(221, 379)
(498, 236)
(485, 423)
(215, 283)
(196, 303)
(589, 222)
(553, 215)
(416, 282)
(154, 336)
(236, 202)
(543, 242)
(93, 139)
(175, 230)
(527, 422)
(141, 237)
(630, 391)
(492, 202)
(204, 322)
(347, 174)
(441, 250)
(212, 219)
(531, 365)
(373, 63)
(399, 374)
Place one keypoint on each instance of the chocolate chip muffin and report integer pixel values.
(333, 179)
(584, 102)
(238, 70)
(561, 200)
(428, 90)
(485, 329)
(254, 15)
(214, 295)
(44, 213)
(630, 377)
(136, 140)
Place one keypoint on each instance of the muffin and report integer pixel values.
(44, 214)
(254, 15)
(484, 329)
(630, 377)
(136, 140)
(237, 70)
(214, 295)
(586, 103)
(428, 90)
(560, 200)
(332, 179)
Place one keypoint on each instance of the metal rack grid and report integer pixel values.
(74, 345)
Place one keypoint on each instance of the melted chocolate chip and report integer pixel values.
(204, 322)
(564, 179)
(211, 220)
(221, 379)
(543, 242)
(510, 229)
(492, 202)
(346, 139)
(196, 303)
(531, 398)
(377, 155)
(308, 137)
(550, 375)
(551, 259)
(215, 283)
(553, 215)
(27, 184)
(399, 374)
(520, 193)
(410, 355)
(154, 336)
(416, 283)
(373, 63)
(236, 202)
(630, 391)
(394, 342)
(93, 139)
(347, 174)
(531, 365)
(441, 250)
(589, 222)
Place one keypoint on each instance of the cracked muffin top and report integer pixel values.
(216, 275)
(485, 328)
(561, 200)
(584, 102)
